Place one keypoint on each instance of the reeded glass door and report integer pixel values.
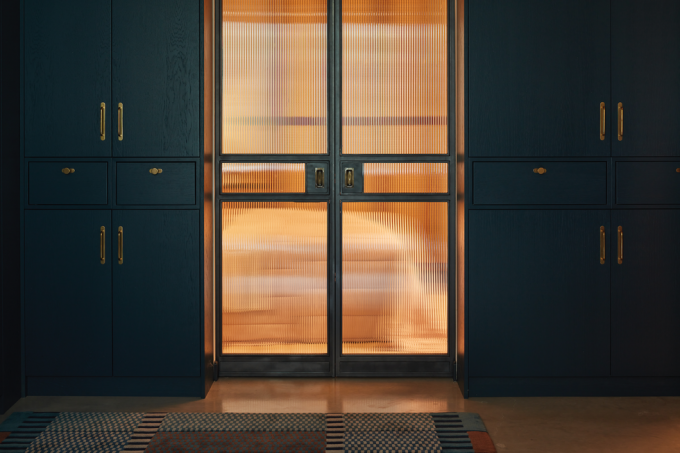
(335, 189)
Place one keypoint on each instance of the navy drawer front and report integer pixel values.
(522, 183)
(51, 183)
(648, 182)
(151, 183)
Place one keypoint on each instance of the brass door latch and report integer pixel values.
(319, 179)
(349, 177)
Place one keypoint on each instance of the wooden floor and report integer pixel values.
(517, 425)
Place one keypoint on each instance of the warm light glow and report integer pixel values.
(274, 68)
(394, 278)
(265, 177)
(394, 77)
(406, 177)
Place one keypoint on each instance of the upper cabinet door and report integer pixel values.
(538, 73)
(156, 78)
(68, 78)
(646, 77)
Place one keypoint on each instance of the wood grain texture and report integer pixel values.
(136, 186)
(538, 295)
(67, 294)
(647, 183)
(47, 184)
(67, 77)
(516, 183)
(645, 288)
(537, 73)
(156, 296)
(646, 76)
(156, 77)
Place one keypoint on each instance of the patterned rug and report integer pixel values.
(187, 432)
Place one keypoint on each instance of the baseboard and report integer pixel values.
(574, 386)
(114, 386)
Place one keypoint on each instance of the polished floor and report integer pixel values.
(517, 425)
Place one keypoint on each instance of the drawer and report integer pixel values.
(55, 183)
(520, 183)
(648, 182)
(147, 183)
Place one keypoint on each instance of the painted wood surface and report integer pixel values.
(136, 185)
(49, 185)
(650, 183)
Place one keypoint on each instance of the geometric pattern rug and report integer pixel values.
(104, 432)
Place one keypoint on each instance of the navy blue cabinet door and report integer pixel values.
(538, 295)
(538, 71)
(156, 293)
(68, 293)
(67, 77)
(645, 294)
(646, 76)
(156, 77)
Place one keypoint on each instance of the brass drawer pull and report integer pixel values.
(677, 170)
(102, 245)
(68, 171)
(120, 121)
(620, 122)
(319, 179)
(620, 245)
(158, 171)
(102, 121)
(349, 177)
(120, 245)
(602, 245)
(540, 170)
(602, 120)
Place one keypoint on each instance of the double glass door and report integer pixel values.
(334, 188)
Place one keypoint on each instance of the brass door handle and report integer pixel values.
(602, 120)
(120, 121)
(540, 170)
(620, 245)
(349, 177)
(120, 245)
(158, 171)
(68, 171)
(102, 245)
(620, 122)
(102, 121)
(319, 179)
(602, 245)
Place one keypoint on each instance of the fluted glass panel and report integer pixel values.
(394, 84)
(402, 177)
(274, 280)
(394, 281)
(274, 88)
(265, 177)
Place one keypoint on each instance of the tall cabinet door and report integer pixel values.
(68, 78)
(538, 72)
(156, 293)
(156, 78)
(646, 77)
(539, 294)
(645, 289)
(68, 293)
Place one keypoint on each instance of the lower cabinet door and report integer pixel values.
(68, 293)
(539, 302)
(156, 293)
(646, 293)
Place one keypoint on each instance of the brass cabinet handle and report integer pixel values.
(102, 121)
(540, 170)
(68, 171)
(319, 179)
(102, 245)
(602, 120)
(120, 245)
(602, 245)
(349, 177)
(620, 122)
(158, 171)
(120, 121)
(620, 245)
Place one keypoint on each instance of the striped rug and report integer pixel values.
(209, 432)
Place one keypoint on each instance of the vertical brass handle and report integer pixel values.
(120, 121)
(319, 179)
(349, 177)
(620, 244)
(602, 120)
(620, 122)
(102, 121)
(602, 245)
(102, 245)
(120, 245)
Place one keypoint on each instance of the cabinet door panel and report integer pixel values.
(538, 295)
(646, 76)
(68, 294)
(67, 76)
(156, 294)
(645, 288)
(538, 71)
(156, 77)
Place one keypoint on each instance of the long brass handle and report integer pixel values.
(349, 177)
(620, 244)
(120, 121)
(102, 121)
(602, 120)
(102, 245)
(319, 179)
(120, 245)
(620, 125)
(602, 245)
